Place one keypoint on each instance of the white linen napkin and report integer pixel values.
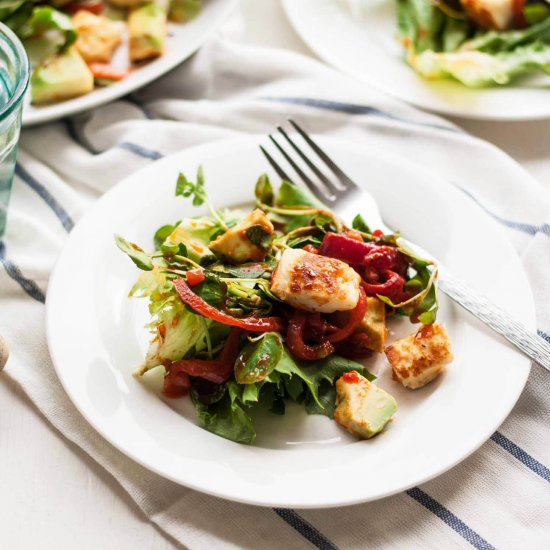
(499, 497)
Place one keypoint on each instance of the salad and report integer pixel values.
(283, 303)
(71, 43)
(477, 42)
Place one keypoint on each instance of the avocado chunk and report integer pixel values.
(147, 31)
(248, 241)
(362, 408)
(194, 234)
(183, 10)
(374, 324)
(61, 77)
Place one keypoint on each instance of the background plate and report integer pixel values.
(182, 41)
(362, 42)
(97, 339)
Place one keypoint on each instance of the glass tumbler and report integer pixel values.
(14, 79)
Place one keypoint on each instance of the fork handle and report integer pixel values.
(481, 307)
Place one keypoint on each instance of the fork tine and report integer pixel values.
(321, 194)
(343, 178)
(282, 174)
(331, 187)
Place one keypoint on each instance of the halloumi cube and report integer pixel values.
(490, 14)
(315, 283)
(362, 408)
(421, 357)
(98, 37)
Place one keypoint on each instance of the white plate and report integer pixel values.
(97, 339)
(182, 41)
(362, 42)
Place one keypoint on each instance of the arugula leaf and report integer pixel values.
(136, 254)
(292, 195)
(212, 290)
(258, 359)
(226, 417)
(326, 397)
(264, 190)
(162, 233)
(360, 224)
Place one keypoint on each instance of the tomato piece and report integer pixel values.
(252, 324)
(352, 377)
(104, 71)
(377, 233)
(195, 276)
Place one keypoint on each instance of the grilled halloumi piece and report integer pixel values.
(490, 14)
(98, 37)
(421, 357)
(362, 408)
(315, 283)
(247, 241)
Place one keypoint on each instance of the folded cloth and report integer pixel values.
(499, 497)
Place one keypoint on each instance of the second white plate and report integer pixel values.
(363, 43)
(182, 41)
(97, 338)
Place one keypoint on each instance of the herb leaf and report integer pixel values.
(136, 254)
(360, 224)
(258, 359)
(187, 188)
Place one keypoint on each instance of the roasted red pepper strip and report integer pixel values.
(104, 71)
(93, 6)
(382, 257)
(295, 340)
(252, 324)
(519, 16)
(392, 286)
(176, 384)
(195, 276)
(345, 248)
(216, 370)
(357, 316)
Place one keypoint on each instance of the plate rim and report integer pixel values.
(96, 425)
(157, 68)
(326, 56)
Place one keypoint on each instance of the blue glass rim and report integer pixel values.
(23, 72)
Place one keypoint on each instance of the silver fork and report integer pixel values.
(343, 195)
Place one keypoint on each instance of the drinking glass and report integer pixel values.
(14, 79)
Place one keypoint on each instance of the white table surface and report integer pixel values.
(52, 495)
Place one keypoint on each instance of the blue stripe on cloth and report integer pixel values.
(525, 458)
(48, 198)
(352, 109)
(544, 335)
(140, 151)
(305, 529)
(455, 523)
(30, 287)
(528, 228)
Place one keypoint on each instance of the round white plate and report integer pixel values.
(359, 38)
(96, 339)
(183, 40)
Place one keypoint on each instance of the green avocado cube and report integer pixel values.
(61, 77)
(147, 29)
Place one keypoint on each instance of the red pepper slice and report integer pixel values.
(391, 287)
(383, 257)
(357, 346)
(519, 16)
(357, 316)
(93, 6)
(295, 340)
(176, 384)
(345, 248)
(195, 276)
(252, 324)
(104, 71)
(310, 248)
(215, 370)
